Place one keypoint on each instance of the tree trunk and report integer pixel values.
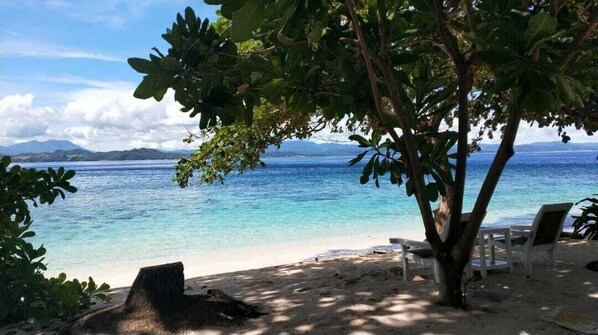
(451, 266)
(450, 288)
(157, 288)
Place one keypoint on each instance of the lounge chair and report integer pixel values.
(422, 253)
(542, 235)
(417, 252)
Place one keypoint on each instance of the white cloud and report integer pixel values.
(531, 134)
(44, 50)
(83, 82)
(104, 118)
(111, 13)
(20, 120)
(97, 119)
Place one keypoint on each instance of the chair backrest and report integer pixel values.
(464, 221)
(548, 223)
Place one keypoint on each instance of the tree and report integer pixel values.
(25, 294)
(396, 69)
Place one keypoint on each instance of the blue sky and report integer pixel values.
(63, 74)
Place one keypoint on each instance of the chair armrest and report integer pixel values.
(410, 243)
(519, 233)
(521, 227)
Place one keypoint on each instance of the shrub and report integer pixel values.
(25, 294)
(586, 224)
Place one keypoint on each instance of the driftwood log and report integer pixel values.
(157, 287)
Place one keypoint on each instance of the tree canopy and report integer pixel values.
(401, 71)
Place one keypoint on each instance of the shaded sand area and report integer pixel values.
(367, 295)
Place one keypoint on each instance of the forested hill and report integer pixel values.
(83, 155)
(288, 149)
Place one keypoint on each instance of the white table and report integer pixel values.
(485, 238)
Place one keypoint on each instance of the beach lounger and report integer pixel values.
(421, 253)
(417, 252)
(541, 236)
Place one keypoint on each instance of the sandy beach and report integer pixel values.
(366, 294)
(122, 273)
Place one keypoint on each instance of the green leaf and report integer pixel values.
(170, 64)
(404, 58)
(273, 90)
(68, 175)
(191, 19)
(367, 170)
(432, 190)
(540, 25)
(147, 88)
(363, 143)
(229, 7)
(358, 158)
(246, 20)
(160, 94)
(420, 5)
(143, 65)
(27, 234)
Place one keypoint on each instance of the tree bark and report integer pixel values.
(451, 281)
(157, 288)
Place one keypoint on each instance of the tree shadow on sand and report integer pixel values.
(367, 295)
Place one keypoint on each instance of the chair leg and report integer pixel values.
(436, 273)
(527, 261)
(405, 263)
(551, 257)
(469, 269)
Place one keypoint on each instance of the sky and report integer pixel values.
(64, 75)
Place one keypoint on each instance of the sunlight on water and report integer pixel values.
(127, 211)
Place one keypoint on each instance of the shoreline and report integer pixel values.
(122, 274)
(367, 295)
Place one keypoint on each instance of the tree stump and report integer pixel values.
(158, 288)
(156, 304)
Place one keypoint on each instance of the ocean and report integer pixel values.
(128, 214)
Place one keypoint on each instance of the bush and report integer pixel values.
(586, 224)
(25, 294)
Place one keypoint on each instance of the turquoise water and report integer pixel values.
(130, 211)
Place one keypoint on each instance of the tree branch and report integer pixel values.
(473, 25)
(464, 81)
(348, 41)
(383, 27)
(504, 153)
(410, 144)
(577, 43)
(448, 39)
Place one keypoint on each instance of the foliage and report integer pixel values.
(82, 155)
(397, 69)
(25, 294)
(586, 224)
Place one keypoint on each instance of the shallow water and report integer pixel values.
(126, 212)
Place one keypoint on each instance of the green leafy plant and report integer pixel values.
(25, 294)
(586, 224)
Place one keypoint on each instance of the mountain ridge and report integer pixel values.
(288, 149)
(37, 147)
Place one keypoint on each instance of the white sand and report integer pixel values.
(121, 274)
(367, 295)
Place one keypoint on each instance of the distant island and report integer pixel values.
(84, 155)
(65, 151)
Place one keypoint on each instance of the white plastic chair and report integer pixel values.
(541, 236)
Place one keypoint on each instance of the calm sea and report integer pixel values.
(132, 211)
